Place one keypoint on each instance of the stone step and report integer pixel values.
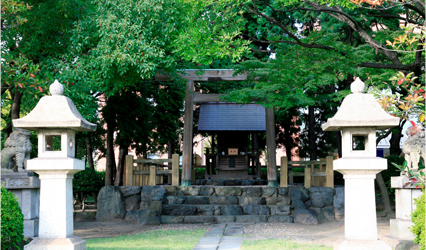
(210, 210)
(197, 219)
(226, 191)
(188, 209)
(228, 200)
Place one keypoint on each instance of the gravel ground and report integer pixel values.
(94, 229)
(325, 233)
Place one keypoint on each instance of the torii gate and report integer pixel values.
(190, 98)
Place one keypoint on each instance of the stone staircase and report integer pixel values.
(198, 204)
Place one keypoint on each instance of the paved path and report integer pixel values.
(221, 237)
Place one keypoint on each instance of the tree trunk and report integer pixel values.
(8, 128)
(95, 198)
(384, 192)
(89, 151)
(312, 135)
(288, 139)
(121, 161)
(170, 149)
(110, 157)
(114, 170)
(14, 111)
(395, 140)
(338, 133)
(16, 104)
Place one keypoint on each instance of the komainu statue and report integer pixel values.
(16, 149)
(414, 147)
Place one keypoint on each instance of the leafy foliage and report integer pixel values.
(407, 99)
(418, 217)
(415, 178)
(12, 221)
(123, 42)
(392, 170)
(87, 182)
(213, 34)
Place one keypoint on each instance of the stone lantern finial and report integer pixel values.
(358, 86)
(56, 88)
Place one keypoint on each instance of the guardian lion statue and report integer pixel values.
(414, 147)
(16, 149)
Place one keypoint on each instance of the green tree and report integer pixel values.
(34, 35)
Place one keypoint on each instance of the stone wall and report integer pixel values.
(169, 204)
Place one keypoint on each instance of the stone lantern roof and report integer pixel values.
(360, 110)
(54, 112)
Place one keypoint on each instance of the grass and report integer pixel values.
(273, 244)
(155, 240)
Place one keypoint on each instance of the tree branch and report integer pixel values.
(412, 7)
(263, 51)
(388, 66)
(394, 16)
(340, 15)
(286, 31)
(250, 38)
(383, 136)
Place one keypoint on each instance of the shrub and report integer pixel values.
(87, 182)
(12, 221)
(418, 218)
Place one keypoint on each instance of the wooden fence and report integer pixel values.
(149, 172)
(317, 173)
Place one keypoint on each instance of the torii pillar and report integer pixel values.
(187, 134)
(271, 146)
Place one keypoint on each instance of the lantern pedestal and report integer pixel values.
(360, 202)
(56, 203)
(404, 206)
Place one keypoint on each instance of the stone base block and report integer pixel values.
(345, 244)
(31, 228)
(401, 229)
(71, 243)
(399, 244)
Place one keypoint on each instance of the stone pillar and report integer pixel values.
(271, 147)
(404, 204)
(26, 187)
(56, 202)
(187, 135)
(360, 204)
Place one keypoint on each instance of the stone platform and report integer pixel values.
(213, 204)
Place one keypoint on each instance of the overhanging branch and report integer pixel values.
(387, 66)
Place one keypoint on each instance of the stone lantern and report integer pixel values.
(56, 119)
(359, 116)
